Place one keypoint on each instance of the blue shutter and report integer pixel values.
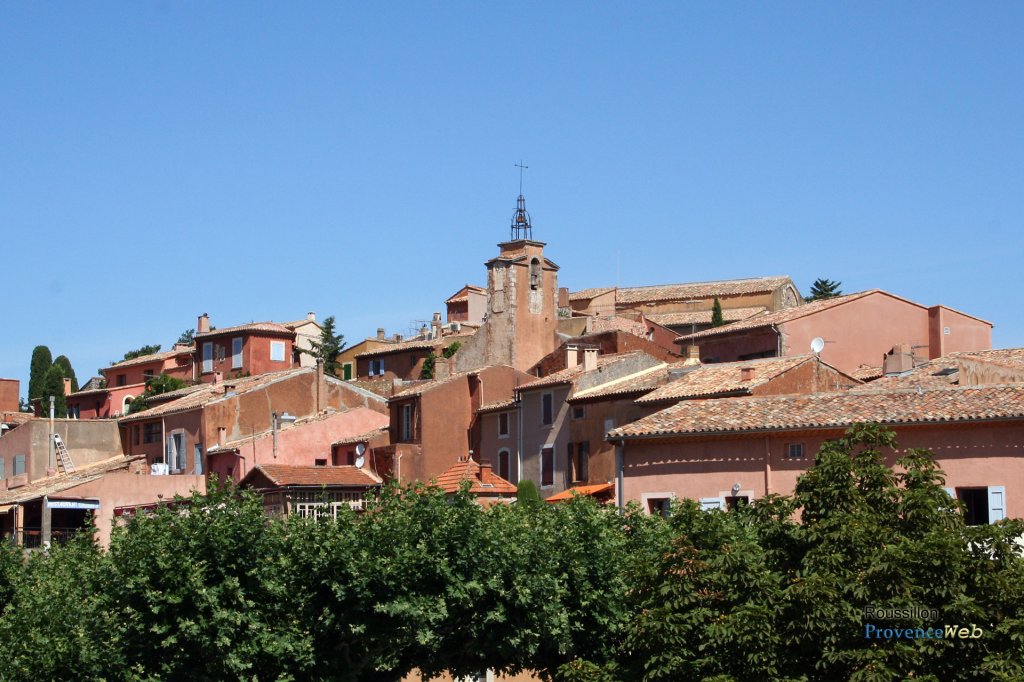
(996, 503)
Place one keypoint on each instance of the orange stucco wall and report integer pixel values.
(972, 455)
(255, 356)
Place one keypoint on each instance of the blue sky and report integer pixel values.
(259, 160)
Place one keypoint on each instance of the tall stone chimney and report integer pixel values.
(692, 355)
(380, 334)
(590, 359)
(572, 356)
(203, 325)
(435, 325)
(898, 360)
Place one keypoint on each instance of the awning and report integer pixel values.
(73, 504)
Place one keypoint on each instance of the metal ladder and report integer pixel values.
(63, 457)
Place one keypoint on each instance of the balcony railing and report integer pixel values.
(32, 538)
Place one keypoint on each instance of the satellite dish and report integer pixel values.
(817, 344)
(360, 449)
(360, 461)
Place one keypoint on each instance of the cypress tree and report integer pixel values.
(717, 319)
(54, 385)
(42, 360)
(69, 372)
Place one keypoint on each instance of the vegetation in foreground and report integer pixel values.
(213, 590)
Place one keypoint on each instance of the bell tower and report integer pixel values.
(522, 303)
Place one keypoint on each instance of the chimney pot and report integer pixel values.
(747, 373)
(311, 316)
(437, 318)
(203, 325)
(380, 333)
(67, 387)
(692, 355)
(572, 356)
(589, 359)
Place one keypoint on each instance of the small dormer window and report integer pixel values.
(535, 276)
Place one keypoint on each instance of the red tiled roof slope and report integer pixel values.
(831, 410)
(258, 327)
(703, 316)
(283, 475)
(489, 483)
(722, 378)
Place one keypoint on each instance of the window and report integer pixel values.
(547, 467)
(659, 506)
(320, 462)
(734, 501)
(579, 412)
(208, 356)
(795, 451)
(582, 468)
(346, 371)
(405, 427)
(503, 426)
(709, 503)
(3, 468)
(19, 465)
(176, 451)
(277, 351)
(151, 432)
(570, 470)
(122, 379)
(983, 505)
(504, 465)
(199, 459)
(236, 353)
(547, 402)
(535, 276)
(376, 368)
(147, 374)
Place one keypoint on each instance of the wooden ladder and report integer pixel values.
(63, 457)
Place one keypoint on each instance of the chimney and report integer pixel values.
(589, 359)
(203, 325)
(380, 333)
(222, 437)
(424, 331)
(563, 297)
(747, 373)
(572, 356)
(898, 360)
(435, 325)
(218, 377)
(67, 387)
(442, 368)
(692, 355)
(181, 347)
(229, 388)
(398, 338)
(485, 470)
(311, 316)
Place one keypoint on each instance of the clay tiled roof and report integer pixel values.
(599, 489)
(174, 395)
(53, 485)
(831, 410)
(703, 316)
(1004, 357)
(415, 344)
(767, 319)
(15, 418)
(673, 292)
(363, 437)
(866, 373)
(616, 323)
(722, 379)
(463, 295)
(944, 371)
(207, 393)
(570, 374)
(252, 328)
(287, 476)
(640, 383)
(587, 294)
(152, 357)
(497, 407)
(468, 470)
(430, 384)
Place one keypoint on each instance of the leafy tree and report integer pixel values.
(68, 370)
(54, 386)
(717, 319)
(42, 360)
(162, 383)
(427, 371)
(327, 347)
(139, 352)
(451, 349)
(822, 289)
(527, 494)
(187, 337)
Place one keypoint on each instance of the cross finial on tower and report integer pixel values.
(521, 227)
(521, 167)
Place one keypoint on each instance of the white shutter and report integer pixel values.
(996, 503)
(951, 492)
(709, 503)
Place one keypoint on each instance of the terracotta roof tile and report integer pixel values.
(831, 410)
(587, 294)
(584, 490)
(866, 373)
(727, 287)
(284, 475)
(616, 323)
(463, 295)
(56, 484)
(252, 327)
(415, 344)
(152, 357)
(640, 383)
(570, 374)
(363, 437)
(498, 406)
(703, 316)
(430, 384)
(469, 470)
(721, 378)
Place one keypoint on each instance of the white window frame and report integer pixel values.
(508, 424)
(277, 348)
(712, 503)
(996, 499)
(172, 455)
(207, 356)
(236, 352)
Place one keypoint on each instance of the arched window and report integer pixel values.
(126, 404)
(504, 465)
(535, 276)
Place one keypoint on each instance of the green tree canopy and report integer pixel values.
(327, 347)
(187, 337)
(67, 369)
(822, 289)
(717, 319)
(42, 360)
(54, 386)
(139, 352)
(162, 383)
